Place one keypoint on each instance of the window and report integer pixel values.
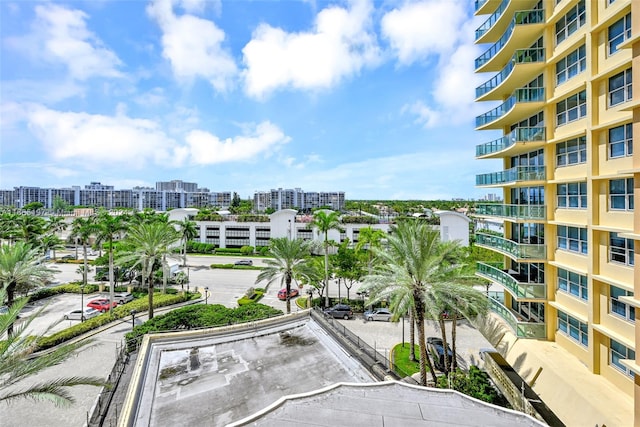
(620, 88)
(571, 152)
(573, 283)
(620, 249)
(571, 65)
(572, 239)
(570, 22)
(621, 141)
(618, 32)
(572, 108)
(618, 307)
(573, 328)
(572, 195)
(618, 353)
(621, 194)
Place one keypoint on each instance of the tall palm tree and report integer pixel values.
(50, 242)
(369, 238)
(20, 265)
(57, 224)
(150, 243)
(16, 365)
(188, 231)
(288, 263)
(30, 227)
(109, 228)
(413, 261)
(9, 226)
(82, 229)
(323, 222)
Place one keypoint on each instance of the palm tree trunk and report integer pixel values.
(425, 360)
(150, 293)
(412, 336)
(86, 265)
(164, 274)
(326, 272)
(454, 325)
(111, 278)
(444, 344)
(288, 287)
(11, 289)
(184, 253)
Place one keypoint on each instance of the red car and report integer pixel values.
(282, 294)
(101, 304)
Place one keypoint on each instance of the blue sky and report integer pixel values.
(371, 98)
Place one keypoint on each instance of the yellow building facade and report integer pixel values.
(561, 73)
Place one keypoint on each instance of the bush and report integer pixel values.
(73, 288)
(200, 316)
(247, 250)
(252, 218)
(255, 296)
(357, 219)
(200, 248)
(263, 250)
(222, 251)
(475, 384)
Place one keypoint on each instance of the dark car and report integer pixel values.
(378, 314)
(339, 311)
(244, 262)
(282, 294)
(67, 257)
(435, 347)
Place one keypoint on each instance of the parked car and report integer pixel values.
(282, 293)
(244, 262)
(435, 347)
(339, 311)
(122, 297)
(4, 309)
(101, 304)
(84, 314)
(378, 314)
(68, 257)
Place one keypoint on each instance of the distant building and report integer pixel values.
(296, 198)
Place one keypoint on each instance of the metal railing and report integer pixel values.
(529, 212)
(523, 134)
(522, 329)
(486, 25)
(101, 407)
(515, 174)
(526, 290)
(512, 248)
(525, 94)
(522, 56)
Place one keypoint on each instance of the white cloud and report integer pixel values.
(99, 140)
(341, 43)
(425, 116)
(417, 30)
(205, 148)
(193, 45)
(61, 36)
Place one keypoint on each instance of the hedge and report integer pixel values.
(119, 312)
(255, 296)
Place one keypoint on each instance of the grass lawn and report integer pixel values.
(401, 362)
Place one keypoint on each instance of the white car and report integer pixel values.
(122, 297)
(84, 314)
(378, 314)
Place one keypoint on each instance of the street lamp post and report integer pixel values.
(133, 319)
(82, 303)
(206, 295)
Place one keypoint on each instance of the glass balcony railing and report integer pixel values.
(522, 95)
(535, 134)
(529, 212)
(521, 329)
(479, 4)
(517, 174)
(522, 290)
(486, 26)
(522, 56)
(522, 17)
(511, 248)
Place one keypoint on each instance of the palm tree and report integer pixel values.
(30, 227)
(150, 243)
(16, 365)
(187, 229)
(50, 242)
(369, 238)
(20, 265)
(288, 263)
(57, 224)
(412, 263)
(82, 230)
(323, 222)
(9, 226)
(108, 229)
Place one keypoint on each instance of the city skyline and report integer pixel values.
(374, 99)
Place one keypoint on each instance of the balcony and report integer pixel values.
(519, 252)
(525, 27)
(522, 329)
(515, 142)
(520, 290)
(483, 7)
(523, 65)
(511, 176)
(513, 212)
(523, 103)
(495, 25)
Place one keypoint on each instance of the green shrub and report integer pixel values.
(222, 251)
(73, 288)
(476, 384)
(357, 219)
(200, 248)
(263, 250)
(247, 250)
(252, 218)
(200, 316)
(255, 296)
(221, 266)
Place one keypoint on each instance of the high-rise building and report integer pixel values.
(562, 71)
(177, 185)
